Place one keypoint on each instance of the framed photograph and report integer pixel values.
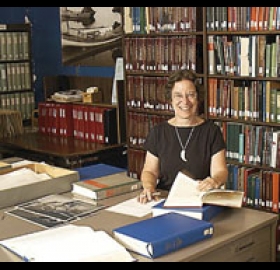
(91, 36)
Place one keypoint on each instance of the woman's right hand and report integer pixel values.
(148, 196)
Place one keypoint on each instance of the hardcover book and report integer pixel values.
(162, 235)
(184, 193)
(106, 187)
(206, 212)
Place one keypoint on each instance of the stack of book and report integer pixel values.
(162, 235)
(107, 186)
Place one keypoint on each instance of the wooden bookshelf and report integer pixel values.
(54, 84)
(68, 151)
(252, 118)
(153, 48)
(238, 59)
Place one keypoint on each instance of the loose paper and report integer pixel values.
(133, 208)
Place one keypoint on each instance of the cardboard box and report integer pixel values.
(61, 182)
(4, 166)
(92, 97)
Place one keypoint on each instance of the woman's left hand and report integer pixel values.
(207, 184)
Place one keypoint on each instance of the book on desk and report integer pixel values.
(184, 193)
(107, 186)
(68, 243)
(158, 236)
(206, 212)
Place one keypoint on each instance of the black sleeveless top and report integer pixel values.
(206, 141)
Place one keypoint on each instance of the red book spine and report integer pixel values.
(92, 125)
(42, 117)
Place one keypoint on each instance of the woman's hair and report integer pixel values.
(178, 76)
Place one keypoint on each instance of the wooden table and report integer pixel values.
(58, 151)
(239, 235)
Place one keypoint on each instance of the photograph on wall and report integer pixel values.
(91, 36)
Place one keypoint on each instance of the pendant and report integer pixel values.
(183, 155)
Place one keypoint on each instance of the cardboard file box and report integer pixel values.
(61, 182)
(4, 166)
(92, 97)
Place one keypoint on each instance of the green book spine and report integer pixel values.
(241, 147)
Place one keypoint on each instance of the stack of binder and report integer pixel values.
(89, 123)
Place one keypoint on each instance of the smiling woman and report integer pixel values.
(184, 143)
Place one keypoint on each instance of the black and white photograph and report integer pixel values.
(36, 218)
(54, 210)
(91, 36)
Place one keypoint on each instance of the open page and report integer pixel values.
(21, 177)
(225, 197)
(184, 193)
(133, 208)
(67, 244)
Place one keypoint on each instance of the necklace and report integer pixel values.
(183, 151)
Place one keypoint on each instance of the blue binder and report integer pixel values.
(164, 234)
(97, 170)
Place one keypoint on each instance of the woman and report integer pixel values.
(184, 143)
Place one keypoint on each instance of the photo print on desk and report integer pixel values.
(54, 210)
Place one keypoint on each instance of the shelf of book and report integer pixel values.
(237, 56)
(157, 41)
(16, 86)
(242, 97)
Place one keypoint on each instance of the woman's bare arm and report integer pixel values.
(149, 178)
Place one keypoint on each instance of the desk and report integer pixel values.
(62, 152)
(240, 235)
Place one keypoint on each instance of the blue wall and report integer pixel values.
(46, 44)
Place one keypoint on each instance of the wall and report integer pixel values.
(46, 44)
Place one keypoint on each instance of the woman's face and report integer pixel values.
(184, 99)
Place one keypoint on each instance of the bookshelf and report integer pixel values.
(54, 84)
(153, 42)
(237, 57)
(242, 93)
(16, 79)
(238, 60)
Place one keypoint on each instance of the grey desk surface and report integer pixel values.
(229, 226)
